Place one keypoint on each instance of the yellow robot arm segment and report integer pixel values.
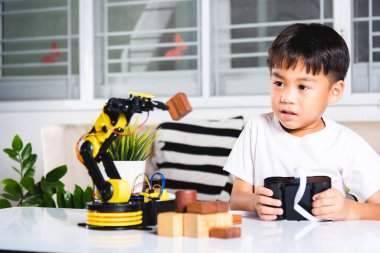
(141, 94)
(102, 130)
(121, 191)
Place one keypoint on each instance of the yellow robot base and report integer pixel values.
(123, 216)
(109, 216)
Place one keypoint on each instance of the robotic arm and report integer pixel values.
(115, 116)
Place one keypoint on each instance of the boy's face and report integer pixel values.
(299, 99)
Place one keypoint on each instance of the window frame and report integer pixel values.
(342, 16)
(68, 81)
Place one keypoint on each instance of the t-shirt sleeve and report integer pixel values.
(361, 169)
(240, 162)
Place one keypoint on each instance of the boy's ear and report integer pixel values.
(336, 92)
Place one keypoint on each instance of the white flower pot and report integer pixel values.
(129, 170)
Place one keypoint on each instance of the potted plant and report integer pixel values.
(130, 150)
(27, 191)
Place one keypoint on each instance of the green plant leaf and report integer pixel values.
(56, 173)
(87, 196)
(13, 188)
(60, 199)
(33, 200)
(51, 187)
(28, 183)
(29, 172)
(45, 187)
(78, 197)
(30, 162)
(5, 203)
(10, 197)
(48, 200)
(26, 152)
(17, 170)
(38, 188)
(134, 146)
(8, 181)
(17, 143)
(12, 154)
(68, 198)
(123, 152)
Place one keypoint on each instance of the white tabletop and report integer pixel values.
(56, 230)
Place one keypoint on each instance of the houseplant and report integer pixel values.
(48, 192)
(134, 144)
(130, 150)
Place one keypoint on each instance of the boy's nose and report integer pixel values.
(288, 96)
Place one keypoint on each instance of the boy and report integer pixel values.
(307, 64)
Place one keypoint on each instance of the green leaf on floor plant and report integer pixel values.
(29, 172)
(87, 196)
(5, 203)
(48, 200)
(30, 162)
(28, 183)
(12, 187)
(56, 173)
(78, 197)
(9, 196)
(12, 154)
(60, 199)
(17, 170)
(17, 143)
(51, 187)
(8, 181)
(26, 152)
(68, 198)
(33, 200)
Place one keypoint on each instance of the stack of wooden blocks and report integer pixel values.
(201, 219)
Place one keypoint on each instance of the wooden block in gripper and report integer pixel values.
(179, 106)
(208, 207)
(225, 232)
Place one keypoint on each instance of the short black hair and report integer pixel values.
(318, 46)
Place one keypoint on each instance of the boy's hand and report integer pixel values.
(330, 205)
(263, 203)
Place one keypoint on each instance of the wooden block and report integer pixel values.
(197, 225)
(237, 219)
(208, 207)
(183, 198)
(170, 224)
(179, 106)
(223, 219)
(225, 232)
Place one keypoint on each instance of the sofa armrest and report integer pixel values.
(368, 130)
(58, 142)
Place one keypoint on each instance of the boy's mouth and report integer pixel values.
(287, 115)
(288, 112)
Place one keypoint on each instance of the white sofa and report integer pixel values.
(58, 143)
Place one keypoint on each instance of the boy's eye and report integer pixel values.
(279, 84)
(303, 87)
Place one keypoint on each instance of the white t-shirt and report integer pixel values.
(264, 149)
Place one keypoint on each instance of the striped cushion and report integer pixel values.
(192, 154)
